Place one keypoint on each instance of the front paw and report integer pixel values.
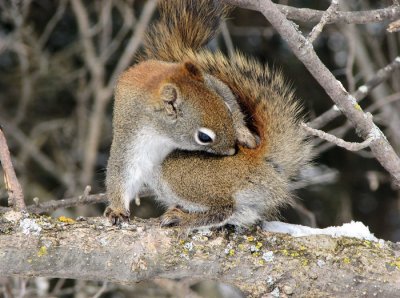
(117, 216)
(246, 138)
(173, 217)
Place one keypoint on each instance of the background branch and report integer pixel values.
(15, 194)
(356, 17)
(362, 91)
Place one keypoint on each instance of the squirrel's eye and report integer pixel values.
(204, 136)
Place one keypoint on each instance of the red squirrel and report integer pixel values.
(198, 188)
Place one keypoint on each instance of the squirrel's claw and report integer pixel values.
(172, 217)
(116, 217)
(246, 138)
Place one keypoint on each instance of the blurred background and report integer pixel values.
(59, 60)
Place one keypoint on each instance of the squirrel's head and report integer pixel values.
(195, 116)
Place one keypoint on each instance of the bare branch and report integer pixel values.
(85, 199)
(351, 146)
(135, 41)
(304, 51)
(45, 162)
(50, 206)
(101, 290)
(52, 23)
(15, 194)
(227, 38)
(328, 14)
(384, 101)
(362, 91)
(89, 52)
(307, 15)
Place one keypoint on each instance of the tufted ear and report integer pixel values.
(193, 71)
(170, 97)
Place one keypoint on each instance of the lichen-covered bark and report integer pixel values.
(256, 261)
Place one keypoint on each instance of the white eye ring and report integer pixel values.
(204, 136)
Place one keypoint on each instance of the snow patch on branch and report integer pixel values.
(29, 226)
(353, 229)
(363, 89)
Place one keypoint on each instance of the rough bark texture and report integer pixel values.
(257, 262)
(15, 194)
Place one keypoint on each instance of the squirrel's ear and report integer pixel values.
(193, 70)
(170, 97)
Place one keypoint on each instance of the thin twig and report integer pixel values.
(307, 15)
(351, 146)
(328, 14)
(135, 41)
(384, 101)
(101, 290)
(50, 206)
(351, 82)
(89, 51)
(15, 194)
(339, 132)
(52, 23)
(227, 39)
(60, 283)
(302, 210)
(362, 91)
(85, 199)
(36, 154)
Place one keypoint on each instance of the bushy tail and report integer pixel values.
(184, 25)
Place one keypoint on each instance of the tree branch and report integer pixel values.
(327, 15)
(85, 199)
(362, 91)
(15, 194)
(307, 15)
(351, 146)
(347, 104)
(257, 262)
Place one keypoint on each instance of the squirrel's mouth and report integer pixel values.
(228, 152)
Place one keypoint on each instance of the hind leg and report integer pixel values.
(176, 216)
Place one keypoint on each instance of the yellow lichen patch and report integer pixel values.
(259, 245)
(396, 263)
(42, 251)
(241, 246)
(294, 254)
(285, 252)
(367, 243)
(29, 261)
(65, 219)
(358, 107)
(250, 238)
(346, 260)
(304, 262)
(231, 252)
